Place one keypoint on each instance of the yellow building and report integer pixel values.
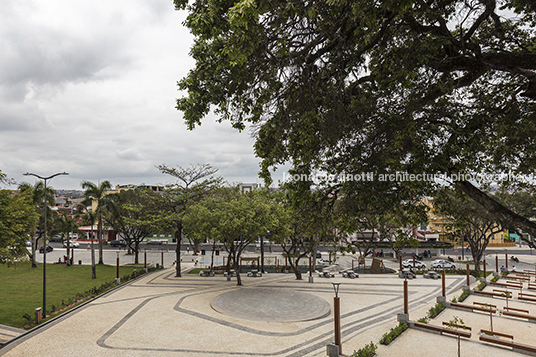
(438, 226)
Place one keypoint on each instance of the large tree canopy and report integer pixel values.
(435, 87)
(17, 224)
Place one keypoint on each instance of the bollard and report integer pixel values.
(38, 315)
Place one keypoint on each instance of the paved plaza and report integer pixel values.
(273, 315)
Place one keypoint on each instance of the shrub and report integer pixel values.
(424, 320)
(463, 296)
(495, 278)
(481, 286)
(436, 310)
(367, 351)
(390, 336)
(454, 300)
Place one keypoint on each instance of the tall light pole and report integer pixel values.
(45, 238)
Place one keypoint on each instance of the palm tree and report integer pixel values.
(37, 197)
(65, 226)
(96, 197)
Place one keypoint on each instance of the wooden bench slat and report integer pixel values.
(514, 309)
(526, 298)
(488, 332)
(517, 314)
(517, 345)
(471, 307)
(443, 329)
(485, 305)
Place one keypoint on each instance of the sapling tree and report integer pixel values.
(457, 323)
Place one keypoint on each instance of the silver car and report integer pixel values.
(443, 264)
(408, 263)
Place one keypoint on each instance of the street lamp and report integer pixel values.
(337, 313)
(117, 280)
(45, 238)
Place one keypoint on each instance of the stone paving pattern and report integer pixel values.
(162, 315)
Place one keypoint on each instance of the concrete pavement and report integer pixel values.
(161, 315)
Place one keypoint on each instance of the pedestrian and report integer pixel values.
(88, 247)
(514, 269)
(187, 250)
(502, 269)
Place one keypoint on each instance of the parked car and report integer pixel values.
(443, 264)
(431, 275)
(72, 244)
(154, 242)
(118, 243)
(318, 254)
(56, 238)
(406, 274)
(49, 249)
(408, 263)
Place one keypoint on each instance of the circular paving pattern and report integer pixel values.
(271, 305)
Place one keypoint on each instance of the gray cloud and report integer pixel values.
(90, 88)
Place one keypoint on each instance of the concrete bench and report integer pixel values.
(526, 297)
(514, 309)
(488, 293)
(523, 278)
(442, 330)
(206, 273)
(508, 285)
(472, 308)
(484, 305)
(520, 315)
(254, 273)
(512, 344)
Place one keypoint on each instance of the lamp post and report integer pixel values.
(45, 237)
(337, 313)
(117, 280)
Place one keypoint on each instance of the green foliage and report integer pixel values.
(390, 336)
(436, 310)
(352, 87)
(468, 221)
(424, 320)
(17, 224)
(495, 279)
(236, 219)
(367, 351)
(463, 296)
(481, 286)
(22, 287)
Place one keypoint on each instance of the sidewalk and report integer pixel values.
(161, 315)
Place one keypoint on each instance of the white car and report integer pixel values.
(443, 264)
(72, 244)
(408, 263)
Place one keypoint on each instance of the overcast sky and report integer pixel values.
(89, 87)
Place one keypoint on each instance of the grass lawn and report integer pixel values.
(21, 288)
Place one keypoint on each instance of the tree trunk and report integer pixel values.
(99, 232)
(93, 271)
(496, 209)
(136, 252)
(297, 271)
(236, 261)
